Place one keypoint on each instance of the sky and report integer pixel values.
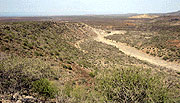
(83, 7)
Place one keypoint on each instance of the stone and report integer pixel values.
(18, 101)
(29, 99)
(5, 101)
(15, 96)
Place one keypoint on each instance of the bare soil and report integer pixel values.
(133, 51)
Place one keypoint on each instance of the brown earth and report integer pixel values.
(133, 51)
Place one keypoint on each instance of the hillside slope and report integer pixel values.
(61, 62)
(41, 47)
(43, 39)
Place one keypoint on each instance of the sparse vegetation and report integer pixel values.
(133, 85)
(45, 88)
(40, 59)
(42, 39)
(162, 43)
(18, 74)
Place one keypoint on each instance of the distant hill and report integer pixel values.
(145, 16)
(155, 15)
(177, 13)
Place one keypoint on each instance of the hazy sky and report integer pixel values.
(77, 7)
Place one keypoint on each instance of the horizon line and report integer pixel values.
(45, 14)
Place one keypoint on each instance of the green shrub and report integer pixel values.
(67, 67)
(132, 86)
(147, 52)
(38, 53)
(80, 94)
(173, 49)
(93, 74)
(165, 58)
(178, 73)
(45, 88)
(4, 48)
(17, 74)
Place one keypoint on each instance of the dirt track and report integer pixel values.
(132, 51)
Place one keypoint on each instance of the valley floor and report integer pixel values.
(133, 51)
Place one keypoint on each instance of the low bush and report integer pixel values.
(80, 94)
(67, 67)
(17, 74)
(165, 58)
(132, 86)
(92, 74)
(45, 88)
